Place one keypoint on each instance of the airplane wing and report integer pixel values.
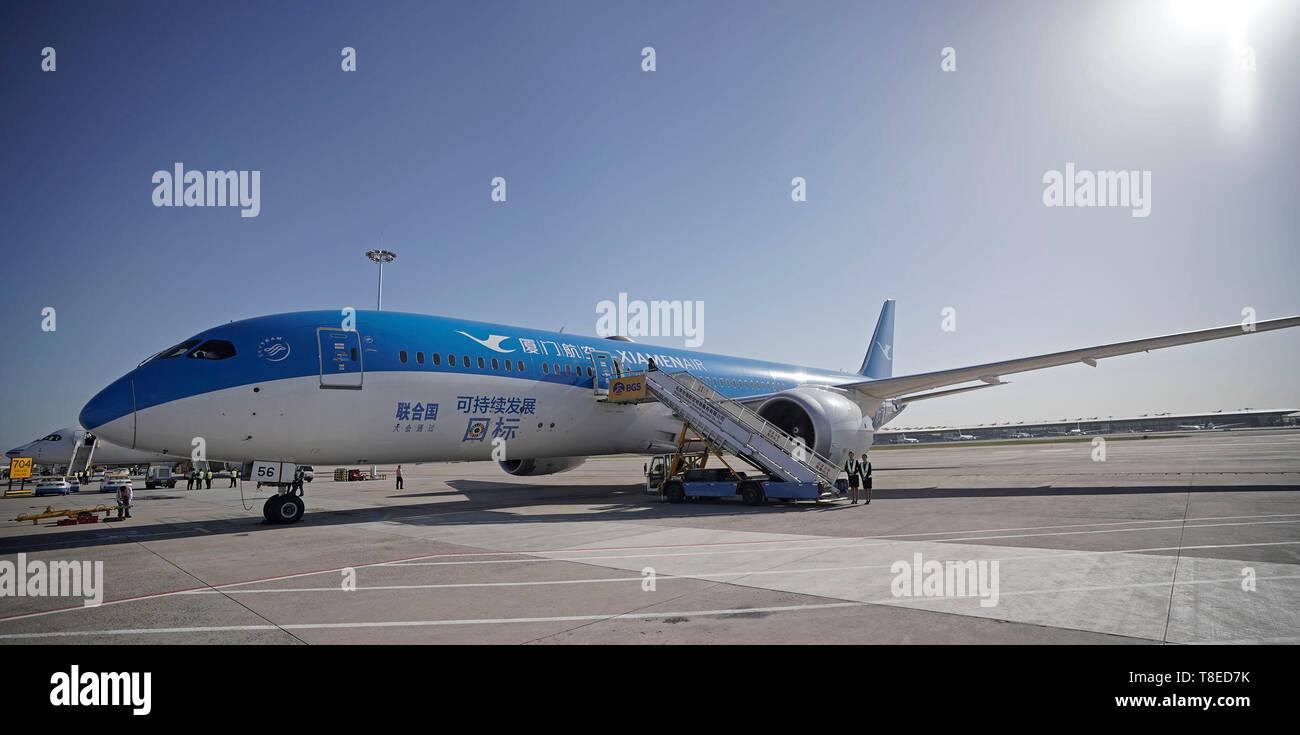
(990, 373)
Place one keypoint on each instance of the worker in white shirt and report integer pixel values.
(124, 500)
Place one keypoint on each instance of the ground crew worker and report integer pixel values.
(852, 468)
(234, 475)
(865, 466)
(209, 479)
(124, 500)
(399, 477)
(189, 480)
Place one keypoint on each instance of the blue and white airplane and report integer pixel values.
(55, 448)
(396, 387)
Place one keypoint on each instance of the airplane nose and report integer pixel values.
(104, 413)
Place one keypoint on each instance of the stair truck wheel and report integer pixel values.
(674, 492)
(752, 493)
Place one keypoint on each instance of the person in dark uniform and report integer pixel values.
(865, 470)
(650, 364)
(189, 480)
(852, 468)
(399, 477)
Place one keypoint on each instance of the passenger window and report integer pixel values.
(451, 360)
(419, 358)
(546, 369)
(401, 355)
(214, 349)
(568, 370)
(437, 359)
(590, 373)
(520, 363)
(557, 368)
(495, 364)
(480, 363)
(352, 353)
(509, 366)
(466, 363)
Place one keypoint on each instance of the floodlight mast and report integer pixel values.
(381, 256)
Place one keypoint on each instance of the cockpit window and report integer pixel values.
(214, 349)
(176, 351)
(52, 438)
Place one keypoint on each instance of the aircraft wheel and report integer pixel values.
(291, 510)
(753, 494)
(271, 508)
(674, 492)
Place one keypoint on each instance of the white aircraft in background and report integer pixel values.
(965, 437)
(1208, 426)
(392, 387)
(1021, 435)
(910, 441)
(55, 448)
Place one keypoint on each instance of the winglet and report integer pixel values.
(879, 362)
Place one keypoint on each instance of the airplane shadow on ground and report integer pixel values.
(484, 505)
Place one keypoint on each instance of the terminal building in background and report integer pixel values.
(1245, 418)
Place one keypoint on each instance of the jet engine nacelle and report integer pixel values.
(830, 423)
(545, 466)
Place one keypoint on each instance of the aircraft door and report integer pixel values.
(604, 369)
(340, 358)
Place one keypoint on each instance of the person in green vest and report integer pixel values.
(852, 468)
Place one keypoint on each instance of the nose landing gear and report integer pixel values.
(283, 508)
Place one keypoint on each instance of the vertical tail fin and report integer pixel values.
(879, 362)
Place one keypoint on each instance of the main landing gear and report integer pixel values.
(284, 507)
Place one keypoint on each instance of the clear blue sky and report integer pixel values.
(923, 185)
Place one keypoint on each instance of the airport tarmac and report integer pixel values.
(1192, 539)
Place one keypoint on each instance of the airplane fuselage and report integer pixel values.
(405, 388)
